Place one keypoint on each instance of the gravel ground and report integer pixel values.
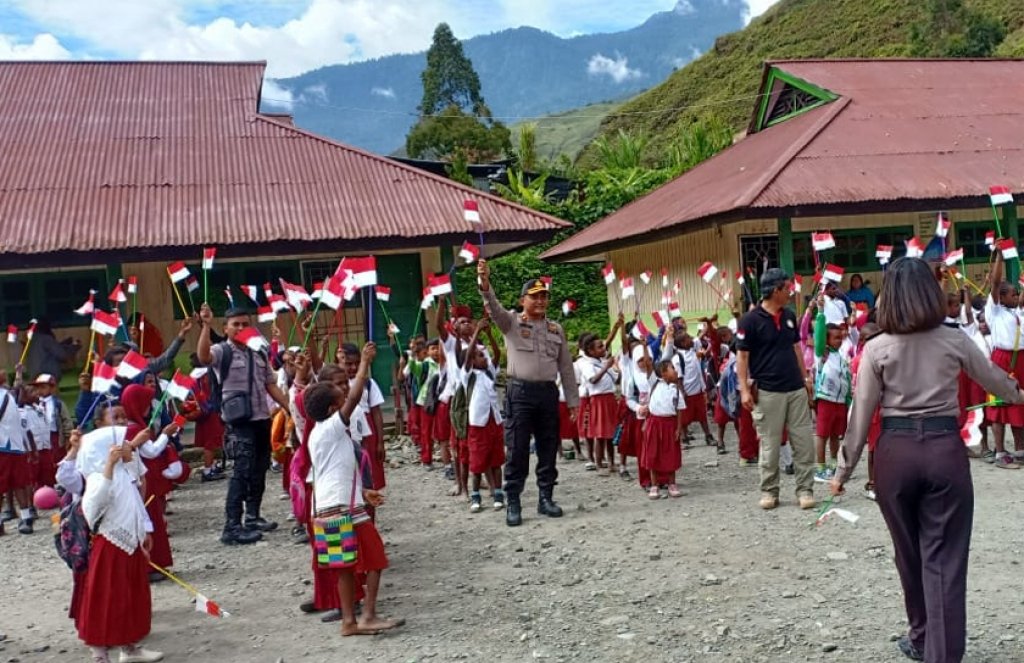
(708, 577)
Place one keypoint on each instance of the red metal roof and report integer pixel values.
(97, 156)
(903, 133)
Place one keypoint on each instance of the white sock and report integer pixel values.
(26, 514)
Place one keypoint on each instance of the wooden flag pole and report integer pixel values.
(312, 323)
(174, 287)
(88, 356)
(24, 350)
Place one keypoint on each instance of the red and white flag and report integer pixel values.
(627, 287)
(333, 293)
(296, 295)
(640, 331)
(133, 285)
(471, 211)
(942, 225)
(568, 307)
(393, 328)
(739, 279)
(31, 329)
(198, 373)
(182, 385)
(364, 270)
(884, 252)
(1009, 249)
(265, 314)
(1000, 195)
(915, 248)
(132, 365)
(104, 377)
(469, 252)
(832, 273)
(192, 283)
(990, 240)
(428, 298)
(89, 306)
(661, 318)
(279, 304)
(798, 283)
(953, 257)
(318, 289)
(673, 311)
(105, 324)
(546, 280)
(177, 271)
(707, 271)
(117, 295)
(252, 292)
(608, 272)
(823, 241)
(664, 278)
(252, 338)
(209, 254)
(970, 432)
(666, 298)
(12, 333)
(268, 290)
(231, 297)
(383, 293)
(645, 276)
(677, 286)
(440, 284)
(349, 287)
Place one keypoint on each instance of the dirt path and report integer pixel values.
(708, 577)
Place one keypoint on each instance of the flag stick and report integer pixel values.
(291, 334)
(142, 333)
(24, 350)
(191, 302)
(372, 295)
(181, 302)
(175, 578)
(88, 356)
(312, 323)
(92, 408)
(995, 213)
(135, 301)
(416, 325)
(124, 327)
(158, 409)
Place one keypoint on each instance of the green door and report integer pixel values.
(401, 273)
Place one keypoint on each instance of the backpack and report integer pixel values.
(459, 407)
(434, 388)
(728, 389)
(73, 535)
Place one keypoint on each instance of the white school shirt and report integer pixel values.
(372, 395)
(636, 388)
(589, 368)
(1003, 324)
(483, 402)
(12, 435)
(835, 311)
(693, 375)
(577, 369)
(973, 331)
(665, 399)
(50, 408)
(359, 427)
(332, 454)
(33, 421)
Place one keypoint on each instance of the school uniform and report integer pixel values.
(721, 416)
(426, 370)
(14, 468)
(832, 391)
(1005, 334)
(60, 425)
(566, 426)
(583, 414)
(373, 397)
(155, 456)
(35, 426)
(663, 454)
(687, 365)
(603, 414)
(636, 390)
(485, 435)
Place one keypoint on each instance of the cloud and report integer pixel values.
(684, 8)
(315, 93)
(755, 8)
(273, 94)
(386, 92)
(43, 47)
(618, 69)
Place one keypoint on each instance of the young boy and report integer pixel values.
(485, 436)
(15, 476)
(370, 403)
(832, 391)
(57, 416)
(687, 363)
(428, 374)
(37, 432)
(338, 489)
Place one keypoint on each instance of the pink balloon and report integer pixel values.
(46, 498)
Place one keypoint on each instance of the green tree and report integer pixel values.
(952, 30)
(449, 79)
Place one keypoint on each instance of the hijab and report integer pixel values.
(137, 402)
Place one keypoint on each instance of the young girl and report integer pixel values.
(636, 391)
(583, 413)
(687, 362)
(832, 392)
(662, 453)
(727, 401)
(600, 377)
(1004, 323)
(115, 606)
(485, 436)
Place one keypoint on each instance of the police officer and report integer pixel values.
(537, 351)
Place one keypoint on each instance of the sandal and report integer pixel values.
(589, 466)
(673, 491)
(654, 493)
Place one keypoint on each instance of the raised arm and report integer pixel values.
(203, 346)
(441, 321)
(355, 391)
(501, 316)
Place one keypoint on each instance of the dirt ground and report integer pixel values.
(708, 577)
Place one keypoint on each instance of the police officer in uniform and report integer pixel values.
(537, 351)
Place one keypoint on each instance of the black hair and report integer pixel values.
(833, 327)
(978, 303)
(236, 312)
(773, 279)
(586, 336)
(113, 352)
(350, 349)
(589, 342)
(911, 299)
(319, 399)
(434, 341)
(662, 366)
(329, 371)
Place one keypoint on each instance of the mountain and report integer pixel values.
(569, 132)
(725, 80)
(524, 72)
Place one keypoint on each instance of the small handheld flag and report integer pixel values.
(677, 286)
(884, 253)
(645, 276)
(103, 377)
(798, 283)
(970, 433)
(1008, 248)
(428, 299)
(252, 292)
(209, 254)
(383, 293)
(661, 319)
(832, 273)
(178, 272)
(333, 293)
(640, 331)
(568, 307)
(12, 333)
(990, 240)
(627, 287)
(182, 385)
(296, 295)
(318, 290)
(469, 252)
(252, 338)
(230, 297)
(546, 280)
(953, 257)
(823, 241)
(664, 278)
(608, 272)
(133, 285)
(278, 303)
(673, 311)
(117, 295)
(104, 323)
(915, 248)
(707, 271)
(1000, 195)
(364, 270)
(192, 283)
(440, 285)
(471, 211)
(132, 365)
(265, 314)
(268, 290)
(942, 225)
(89, 306)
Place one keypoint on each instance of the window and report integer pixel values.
(754, 250)
(54, 295)
(970, 236)
(855, 249)
(787, 96)
(16, 303)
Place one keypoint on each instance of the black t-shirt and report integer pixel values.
(769, 340)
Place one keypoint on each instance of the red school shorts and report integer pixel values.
(696, 411)
(442, 423)
(371, 556)
(831, 419)
(486, 447)
(15, 472)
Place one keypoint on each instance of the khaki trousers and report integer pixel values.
(774, 413)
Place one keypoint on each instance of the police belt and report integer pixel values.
(532, 384)
(921, 424)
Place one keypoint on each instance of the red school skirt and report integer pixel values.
(116, 609)
(567, 429)
(15, 472)
(632, 435)
(210, 432)
(583, 416)
(662, 452)
(1007, 414)
(603, 418)
(722, 417)
(44, 469)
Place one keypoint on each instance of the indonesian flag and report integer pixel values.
(383, 293)
(798, 283)
(664, 278)
(990, 240)
(627, 287)
(470, 211)
(646, 276)
(177, 271)
(640, 331)
(252, 338)
(198, 373)
(332, 293)
(268, 290)
(318, 290)
(12, 333)
(915, 248)
(117, 295)
(942, 225)
(568, 307)
(823, 241)
(440, 284)
(104, 323)
(546, 280)
(1009, 249)
(231, 298)
(677, 286)
(278, 303)
(208, 255)
(181, 385)
(103, 377)
(1000, 195)
(953, 257)
(349, 287)
(132, 365)
(707, 271)
(89, 306)
(832, 273)
(133, 285)
(428, 298)
(673, 310)
(661, 318)
(192, 283)
(296, 295)
(666, 298)
(265, 314)
(31, 329)
(608, 272)
(970, 433)
(845, 514)
(883, 252)
(252, 292)
(469, 252)
(364, 270)
(739, 279)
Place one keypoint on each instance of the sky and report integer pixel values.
(293, 36)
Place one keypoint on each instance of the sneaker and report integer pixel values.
(807, 502)
(589, 466)
(654, 493)
(768, 502)
(821, 475)
(870, 494)
(25, 527)
(1007, 462)
(212, 475)
(136, 654)
(908, 649)
(709, 440)
(673, 491)
(988, 456)
(499, 500)
(624, 474)
(748, 462)
(6, 515)
(276, 468)
(474, 502)
(722, 450)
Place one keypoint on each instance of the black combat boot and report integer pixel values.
(513, 511)
(234, 534)
(546, 506)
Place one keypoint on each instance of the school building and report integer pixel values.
(115, 169)
(871, 150)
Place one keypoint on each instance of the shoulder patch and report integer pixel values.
(553, 328)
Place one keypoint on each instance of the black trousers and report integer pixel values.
(925, 492)
(248, 445)
(531, 409)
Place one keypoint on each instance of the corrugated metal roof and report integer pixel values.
(102, 155)
(901, 131)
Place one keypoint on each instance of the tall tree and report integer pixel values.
(449, 79)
